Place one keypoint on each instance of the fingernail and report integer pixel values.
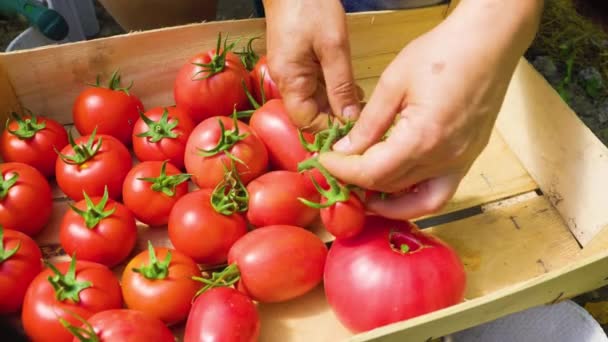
(350, 112)
(343, 145)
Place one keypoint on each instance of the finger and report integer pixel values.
(339, 80)
(360, 93)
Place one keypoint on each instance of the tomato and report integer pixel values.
(274, 199)
(159, 282)
(90, 163)
(194, 216)
(20, 262)
(161, 134)
(223, 314)
(26, 200)
(218, 142)
(64, 290)
(122, 325)
(111, 111)
(413, 273)
(151, 189)
(99, 230)
(211, 84)
(344, 219)
(33, 140)
(262, 82)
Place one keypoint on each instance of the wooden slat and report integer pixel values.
(8, 99)
(561, 154)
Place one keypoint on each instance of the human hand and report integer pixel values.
(444, 91)
(309, 60)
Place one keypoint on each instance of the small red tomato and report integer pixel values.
(262, 83)
(194, 216)
(26, 200)
(33, 140)
(161, 134)
(159, 282)
(20, 262)
(151, 189)
(223, 314)
(99, 230)
(65, 290)
(122, 325)
(219, 142)
(344, 219)
(111, 111)
(90, 163)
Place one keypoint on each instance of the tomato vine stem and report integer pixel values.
(155, 270)
(65, 285)
(161, 129)
(166, 184)
(225, 278)
(27, 128)
(6, 254)
(94, 213)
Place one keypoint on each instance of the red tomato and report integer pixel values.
(112, 111)
(261, 81)
(82, 288)
(159, 282)
(123, 325)
(151, 189)
(278, 263)
(20, 262)
(208, 168)
(26, 200)
(194, 216)
(161, 134)
(344, 219)
(98, 229)
(223, 314)
(413, 273)
(211, 84)
(273, 199)
(90, 164)
(32, 140)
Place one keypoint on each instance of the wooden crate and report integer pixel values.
(528, 220)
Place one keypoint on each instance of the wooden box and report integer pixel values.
(528, 221)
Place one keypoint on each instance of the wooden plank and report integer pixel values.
(8, 99)
(561, 154)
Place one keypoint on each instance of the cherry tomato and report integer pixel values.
(161, 134)
(26, 200)
(413, 273)
(218, 143)
(33, 140)
(20, 262)
(98, 229)
(90, 163)
(223, 314)
(273, 199)
(211, 84)
(159, 282)
(67, 290)
(151, 189)
(111, 111)
(344, 219)
(122, 325)
(262, 82)
(194, 216)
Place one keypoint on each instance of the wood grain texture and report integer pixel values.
(8, 99)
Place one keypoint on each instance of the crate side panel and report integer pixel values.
(8, 99)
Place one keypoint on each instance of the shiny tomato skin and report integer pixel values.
(223, 314)
(28, 204)
(37, 151)
(273, 199)
(171, 149)
(218, 95)
(108, 167)
(427, 278)
(126, 325)
(280, 136)
(278, 263)
(18, 271)
(108, 243)
(167, 299)
(207, 172)
(149, 206)
(260, 79)
(344, 219)
(113, 112)
(41, 310)
(194, 216)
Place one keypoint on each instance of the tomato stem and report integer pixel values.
(82, 334)
(6, 185)
(326, 138)
(155, 270)
(158, 130)
(230, 195)
(6, 254)
(95, 212)
(248, 56)
(65, 285)
(228, 138)
(404, 248)
(166, 184)
(252, 100)
(83, 152)
(113, 83)
(27, 128)
(336, 193)
(225, 278)
(218, 61)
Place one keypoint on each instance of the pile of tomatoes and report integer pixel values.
(258, 188)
